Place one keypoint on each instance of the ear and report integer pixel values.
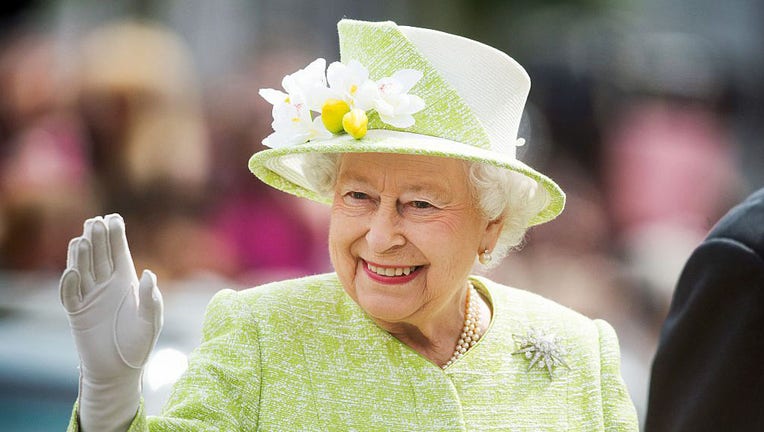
(491, 235)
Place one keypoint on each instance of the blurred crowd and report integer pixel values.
(127, 131)
(644, 132)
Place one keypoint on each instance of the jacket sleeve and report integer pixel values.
(618, 411)
(220, 390)
(707, 371)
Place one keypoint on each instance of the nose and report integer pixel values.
(385, 232)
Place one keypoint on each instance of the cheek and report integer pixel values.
(336, 237)
(343, 233)
(339, 257)
(450, 242)
(452, 231)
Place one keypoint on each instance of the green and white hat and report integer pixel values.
(400, 90)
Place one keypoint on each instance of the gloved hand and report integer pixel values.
(115, 320)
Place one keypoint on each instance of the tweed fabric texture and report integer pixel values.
(301, 355)
(447, 127)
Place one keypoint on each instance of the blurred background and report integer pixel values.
(647, 113)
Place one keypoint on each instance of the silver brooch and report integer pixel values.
(543, 350)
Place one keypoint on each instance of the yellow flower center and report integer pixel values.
(331, 114)
(355, 123)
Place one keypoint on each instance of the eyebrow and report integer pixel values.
(436, 193)
(433, 191)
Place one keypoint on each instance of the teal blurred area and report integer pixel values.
(38, 361)
(38, 366)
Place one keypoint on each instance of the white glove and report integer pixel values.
(115, 321)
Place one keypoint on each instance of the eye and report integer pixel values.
(357, 195)
(421, 204)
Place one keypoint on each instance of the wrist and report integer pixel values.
(109, 405)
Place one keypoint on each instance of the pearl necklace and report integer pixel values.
(471, 330)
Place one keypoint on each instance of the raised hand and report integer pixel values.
(115, 320)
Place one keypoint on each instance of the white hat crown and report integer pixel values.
(492, 84)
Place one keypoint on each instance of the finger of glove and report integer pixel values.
(71, 253)
(84, 265)
(136, 334)
(120, 251)
(69, 290)
(97, 233)
(151, 306)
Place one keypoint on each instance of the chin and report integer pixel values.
(383, 303)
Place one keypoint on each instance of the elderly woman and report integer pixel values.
(412, 140)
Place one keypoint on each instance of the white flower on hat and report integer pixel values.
(320, 102)
(292, 123)
(309, 84)
(394, 105)
(351, 83)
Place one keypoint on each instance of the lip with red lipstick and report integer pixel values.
(388, 274)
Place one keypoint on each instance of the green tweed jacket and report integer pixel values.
(301, 355)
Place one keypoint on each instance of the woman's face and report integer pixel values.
(404, 233)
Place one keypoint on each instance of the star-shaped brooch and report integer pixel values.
(544, 351)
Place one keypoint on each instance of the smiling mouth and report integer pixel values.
(391, 271)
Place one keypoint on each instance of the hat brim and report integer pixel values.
(281, 168)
